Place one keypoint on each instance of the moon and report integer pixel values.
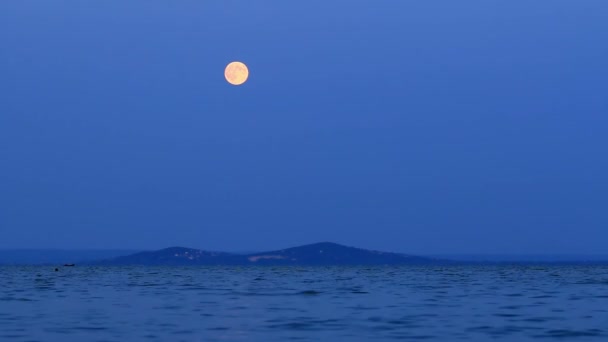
(236, 73)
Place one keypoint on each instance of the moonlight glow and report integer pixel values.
(236, 73)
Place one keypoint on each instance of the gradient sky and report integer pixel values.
(411, 126)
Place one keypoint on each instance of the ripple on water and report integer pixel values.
(306, 324)
(90, 328)
(566, 333)
(17, 299)
(13, 336)
(309, 292)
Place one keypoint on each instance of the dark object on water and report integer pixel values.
(56, 269)
(69, 265)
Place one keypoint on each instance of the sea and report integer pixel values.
(426, 303)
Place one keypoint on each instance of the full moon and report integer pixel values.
(236, 73)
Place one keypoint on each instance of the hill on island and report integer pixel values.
(324, 253)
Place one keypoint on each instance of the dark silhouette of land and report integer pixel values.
(324, 253)
(57, 256)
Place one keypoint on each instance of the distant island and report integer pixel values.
(323, 253)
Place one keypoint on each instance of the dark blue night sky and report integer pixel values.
(411, 126)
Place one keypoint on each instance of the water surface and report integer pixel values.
(472, 303)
